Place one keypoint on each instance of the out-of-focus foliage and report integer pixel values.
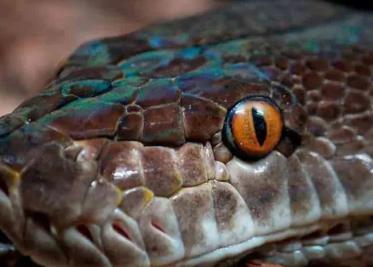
(35, 36)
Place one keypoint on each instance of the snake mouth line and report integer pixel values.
(343, 241)
(337, 240)
(334, 240)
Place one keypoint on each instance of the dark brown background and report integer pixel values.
(35, 36)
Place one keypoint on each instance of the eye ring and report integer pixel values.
(253, 127)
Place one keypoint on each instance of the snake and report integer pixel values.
(236, 136)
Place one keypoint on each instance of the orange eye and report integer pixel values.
(253, 127)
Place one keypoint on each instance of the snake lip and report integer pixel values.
(297, 247)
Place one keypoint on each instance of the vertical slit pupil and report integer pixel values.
(259, 125)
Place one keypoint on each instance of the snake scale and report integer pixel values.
(244, 133)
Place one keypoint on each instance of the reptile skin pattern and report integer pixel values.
(121, 160)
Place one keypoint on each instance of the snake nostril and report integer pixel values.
(83, 230)
(117, 226)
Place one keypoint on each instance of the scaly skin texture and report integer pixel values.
(120, 161)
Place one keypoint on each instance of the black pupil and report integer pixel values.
(259, 125)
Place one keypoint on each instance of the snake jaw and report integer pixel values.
(241, 207)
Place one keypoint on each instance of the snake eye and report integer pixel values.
(253, 127)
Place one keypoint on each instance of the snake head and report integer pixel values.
(201, 148)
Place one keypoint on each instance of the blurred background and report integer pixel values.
(35, 36)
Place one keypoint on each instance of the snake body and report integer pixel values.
(121, 161)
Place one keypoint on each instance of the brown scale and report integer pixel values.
(334, 89)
